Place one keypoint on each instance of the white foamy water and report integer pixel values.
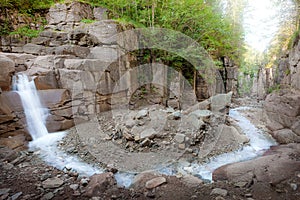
(259, 143)
(35, 114)
(43, 142)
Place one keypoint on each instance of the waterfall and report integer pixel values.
(35, 114)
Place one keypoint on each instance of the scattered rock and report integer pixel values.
(4, 191)
(84, 181)
(153, 183)
(141, 114)
(180, 138)
(99, 183)
(219, 191)
(191, 181)
(16, 196)
(148, 133)
(48, 196)
(52, 183)
(74, 186)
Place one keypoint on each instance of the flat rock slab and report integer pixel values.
(52, 183)
(153, 183)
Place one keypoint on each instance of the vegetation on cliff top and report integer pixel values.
(201, 20)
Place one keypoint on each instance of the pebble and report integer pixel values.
(153, 183)
(84, 181)
(48, 196)
(52, 183)
(248, 195)
(240, 184)
(180, 138)
(74, 186)
(294, 186)
(219, 191)
(219, 198)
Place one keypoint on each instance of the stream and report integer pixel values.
(46, 144)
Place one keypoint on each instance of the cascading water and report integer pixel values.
(43, 141)
(35, 114)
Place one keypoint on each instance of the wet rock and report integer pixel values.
(84, 181)
(52, 183)
(219, 191)
(276, 165)
(99, 183)
(153, 183)
(191, 181)
(16, 196)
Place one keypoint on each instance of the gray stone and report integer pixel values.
(84, 181)
(74, 186)
(180, 138)
(48, 196)
(153, 183)
(148, 133)
(296, 127)
(286, 136)
(130, 123)
(195, 122)
(52, 183)
(100, 13)
(103, 32)
(191, 181)
(78, 11)
(220, 102)
(204, 115)
(4, 191)
(100, 183)
(7, 68)
(16, 196)
(33, 49)
(219, 191)
(141, 114)
(57, 14)
(107, 54)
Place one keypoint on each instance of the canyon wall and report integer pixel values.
(282, 106)
(82, 66)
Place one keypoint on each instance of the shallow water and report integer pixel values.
(258, 144)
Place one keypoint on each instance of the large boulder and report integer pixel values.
(283, 111)
(7, 69)
(276, 165)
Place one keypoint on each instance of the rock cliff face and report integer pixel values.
(283, 107)
(80, 69)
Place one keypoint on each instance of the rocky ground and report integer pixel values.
(24, 176)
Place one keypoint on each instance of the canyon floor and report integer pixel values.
(23, 175)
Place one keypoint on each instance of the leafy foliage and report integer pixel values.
(26, 31)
